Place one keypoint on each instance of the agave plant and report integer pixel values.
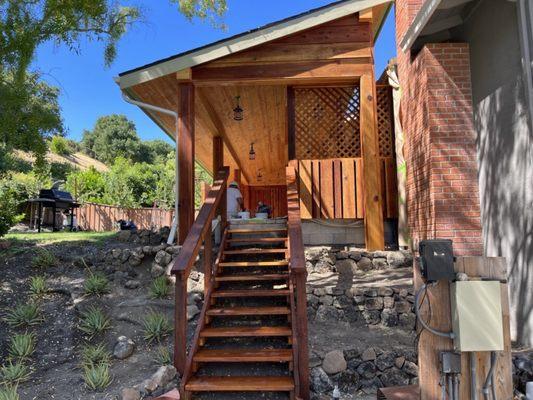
(94, 321)
(22, 346)
(156, 326)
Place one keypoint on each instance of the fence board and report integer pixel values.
(348, 188)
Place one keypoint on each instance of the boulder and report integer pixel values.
(364, 264)
(369, 354)
(130, 393)
(320, 382)
(192, 311)
(346, 266)
(123, 236)
(396, 259)
(367, 370)
(408, 320)
(394, 377)
(385, 360)
(162, 258)
(123, 348)
(134, 261)
(385, 291)
(347, 381)
(164, 375)
(402, 306)
(399, 361)
(326, 313)
(389, 317)
(410, 368)
(370, 292)
(326, 300)
(374, 303)
(355, 255)
(372, 317)
(132, 284)
(157, 270)
(388, 302)
(334, 362)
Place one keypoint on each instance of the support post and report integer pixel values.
(374, 231)
(237, 176)
(180, 323)
(185, 140)
(218, 163)
(208, 261)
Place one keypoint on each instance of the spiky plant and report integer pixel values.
(13, 373)
(96, 284)
(44, 259)
(9, 392)
(94, 321)
(92, 355)
(97, 377)
(162, 356)
(22, 346)
(156, 326)
(38, 286)
(27, 314)
(159, 288)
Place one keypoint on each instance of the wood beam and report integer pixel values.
(221, 130)
(366, 15)
(184, 75)
(218, 154)
(185, 143)
(374, 231)
(237, 176)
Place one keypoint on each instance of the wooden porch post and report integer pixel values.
(218, 163)
(374, 232)
(237, 176)
(185, 142)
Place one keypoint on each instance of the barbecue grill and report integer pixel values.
(56, 200)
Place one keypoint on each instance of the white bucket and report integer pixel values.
(244, 215)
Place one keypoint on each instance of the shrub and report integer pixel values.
(60, 145)
(162, 356)
(94, 321)
(92, 355)
(23, 315)
(159, 288)
(96, 284)
(9, 393)
(13, 374)
(22, 346)
(38, 286)
(9, 214)
(44, 259)
(156, 326)
(97, 377)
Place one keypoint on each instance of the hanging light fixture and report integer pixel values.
(251, 154)
(238, 111)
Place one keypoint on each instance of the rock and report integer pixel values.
(350, 354)
(192, 311)
(371, 384)
(334, 362)
(346, 266)
(126, 253)
(399, 361)
(130, 393)
(394, 377)
(403, 293)
(314, 360)
(402, 307)
(342, 255)
(147, 250)
(313, 300)
(123, 348)
(359, 299)
(320, 382)
(407, 319)
(385, 360)
(354, 255)
(379, 263)
(322, 266)
(173, 250)
(123, 236)
(370, 292)
(116, 253)
(410, 368)
(395, 259)
(325, 313)
(388, 302)
(347, 381)
(354, 363)
(389, 317)
(364, 264)
(135, 261)
(326, 300)
(380, 254)
(374, 303)
(385, 291)
(372, 317)
(163, 258)
(369, 354)
(157, 270)
(367, 370)
(164, 375)
(132, 284)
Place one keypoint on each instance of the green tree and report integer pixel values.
(87, 185)
(59, 145)
(113, 136)
(9, 214)
(154, 151)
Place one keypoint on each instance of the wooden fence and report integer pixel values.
(333, 188)
(100, 217)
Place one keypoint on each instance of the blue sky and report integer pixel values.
(87, 87)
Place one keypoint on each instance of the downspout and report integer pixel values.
(174, 114)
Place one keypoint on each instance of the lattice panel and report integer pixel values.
(327, 123)
(385, 126)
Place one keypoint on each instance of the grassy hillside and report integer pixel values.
(76, 160)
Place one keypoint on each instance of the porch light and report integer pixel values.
(238, 111)
(252, 151)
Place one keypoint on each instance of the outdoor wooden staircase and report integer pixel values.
(252, 331)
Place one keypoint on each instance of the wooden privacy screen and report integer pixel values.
(333, 188)
(385, 120)
(326, 122)
(275, 196)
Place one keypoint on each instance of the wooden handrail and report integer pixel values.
(298, 274)
(184, 262)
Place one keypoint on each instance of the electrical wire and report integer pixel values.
(425, 326)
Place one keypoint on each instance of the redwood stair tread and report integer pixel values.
(254, 231)
(243, 311)
(251, 293)
(240, 384)
(255, 251)
(257, 240)
(253, 263)
(251, 277)
(240, 331)
(243, 355)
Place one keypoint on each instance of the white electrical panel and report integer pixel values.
(477, 315)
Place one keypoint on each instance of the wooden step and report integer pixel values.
(243, 355)
(247, 331)
(245, 311)
(251, 278)
(255, 251)
(240, 384)
(256, 231)
(250, 293)
(254, 263)
(257, 240)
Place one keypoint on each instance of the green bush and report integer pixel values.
(24, 314)
(96, 284)
(14, 373)
(44, 259)
(9, 393)
(159, 288)
(93, 355)
(94, 321)
(162, 356)
(156, 326)
(22, 346)
(59, 145)
(38, 286)
(9, 213)
(97, 377)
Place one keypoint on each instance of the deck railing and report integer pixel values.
(298, 274)
(200, 233)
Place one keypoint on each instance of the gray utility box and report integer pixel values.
(477, 315)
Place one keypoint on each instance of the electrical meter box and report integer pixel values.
(436, 260)
(477, 315)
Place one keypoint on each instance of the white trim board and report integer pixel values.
(246, 41)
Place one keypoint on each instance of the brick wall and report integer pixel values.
(440, 146)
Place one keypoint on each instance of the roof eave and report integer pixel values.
(418, 24)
